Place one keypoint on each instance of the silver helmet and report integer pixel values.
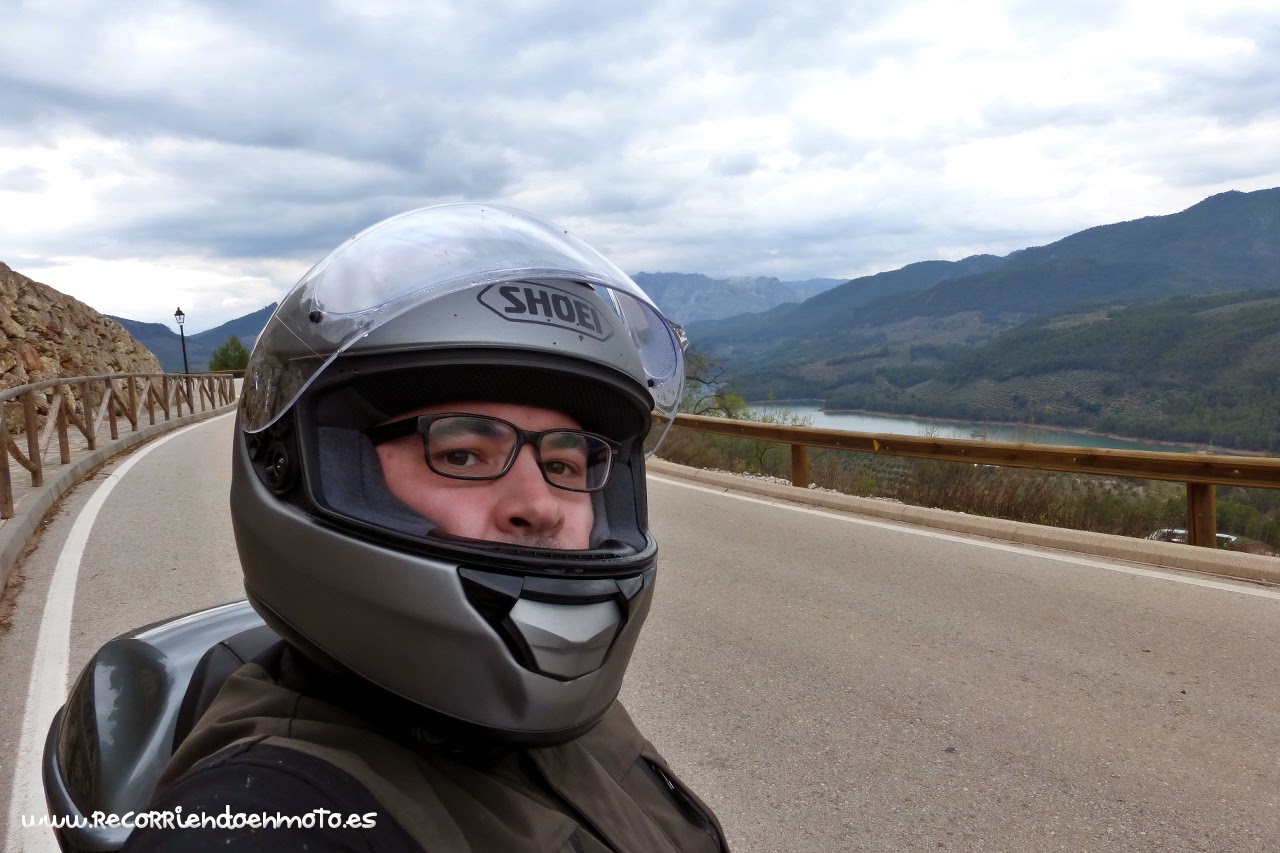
(446, 305)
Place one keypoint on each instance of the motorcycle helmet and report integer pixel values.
(447, 305)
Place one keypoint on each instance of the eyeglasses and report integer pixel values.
(477, 447)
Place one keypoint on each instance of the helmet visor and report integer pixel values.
(408, 260)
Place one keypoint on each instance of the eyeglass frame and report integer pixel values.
(421, 424)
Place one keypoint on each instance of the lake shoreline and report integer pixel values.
(1031, 428)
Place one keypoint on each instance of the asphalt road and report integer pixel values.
(824, 682)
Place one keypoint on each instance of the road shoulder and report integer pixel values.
(1227, 564)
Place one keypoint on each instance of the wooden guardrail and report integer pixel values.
(1199, 471)
(120, 395)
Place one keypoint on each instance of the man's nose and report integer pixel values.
(527, 507)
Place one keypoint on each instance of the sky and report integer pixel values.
(206, 154)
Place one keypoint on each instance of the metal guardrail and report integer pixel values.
(119, 395)
(1199, 471)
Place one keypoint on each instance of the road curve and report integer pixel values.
(836, 683)
(825, 682)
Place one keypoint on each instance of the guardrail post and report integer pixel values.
(6, 482)
(1202, 515)
(64, 441)
(800, 466)
(133, 404)
(111, 400)
(33, 439)
(86, 405)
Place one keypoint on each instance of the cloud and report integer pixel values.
(23, 179)
(798, 140)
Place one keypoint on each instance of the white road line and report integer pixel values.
(1238, 587)
(48, 686)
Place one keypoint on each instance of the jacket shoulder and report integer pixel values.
(253, 796)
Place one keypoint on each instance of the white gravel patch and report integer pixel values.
(784, 481)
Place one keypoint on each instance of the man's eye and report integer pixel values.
(571, 468)
(459, 458)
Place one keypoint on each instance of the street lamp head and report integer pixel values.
(179, 316)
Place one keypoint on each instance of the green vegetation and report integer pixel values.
(230, 356)
(1101, 504)
(1114, 505)
(1203, 369)
(706, 389)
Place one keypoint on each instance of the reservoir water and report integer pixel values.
(899, 425)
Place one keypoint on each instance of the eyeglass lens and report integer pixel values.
(478, 448)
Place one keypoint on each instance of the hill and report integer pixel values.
(859, 352)
(46, 334)
(1202, 369)
(688, 297)
(1227, 242)
(167, 344)
(842, 301)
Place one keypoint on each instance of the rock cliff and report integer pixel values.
(45, 334)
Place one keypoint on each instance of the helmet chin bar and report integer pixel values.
(563, 628)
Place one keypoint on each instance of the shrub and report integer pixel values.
(230, 356)
(1114, 505)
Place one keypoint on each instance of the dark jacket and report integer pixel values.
(266, 747)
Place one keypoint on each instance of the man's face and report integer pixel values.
(520, 507)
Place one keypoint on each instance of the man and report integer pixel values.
(438, 496)
(521, 507)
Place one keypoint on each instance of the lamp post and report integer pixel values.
(182, 318)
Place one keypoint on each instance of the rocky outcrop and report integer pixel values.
(45, 334)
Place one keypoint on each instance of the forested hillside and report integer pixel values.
(1203, 369)
(841, 307)
(1165, 328)
(1228, 242)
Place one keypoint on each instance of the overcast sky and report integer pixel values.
(206, 154)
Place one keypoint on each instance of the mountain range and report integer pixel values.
(689, 297)
(1189, 299)
(983, 338)
(167, 344)
(684, 297)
